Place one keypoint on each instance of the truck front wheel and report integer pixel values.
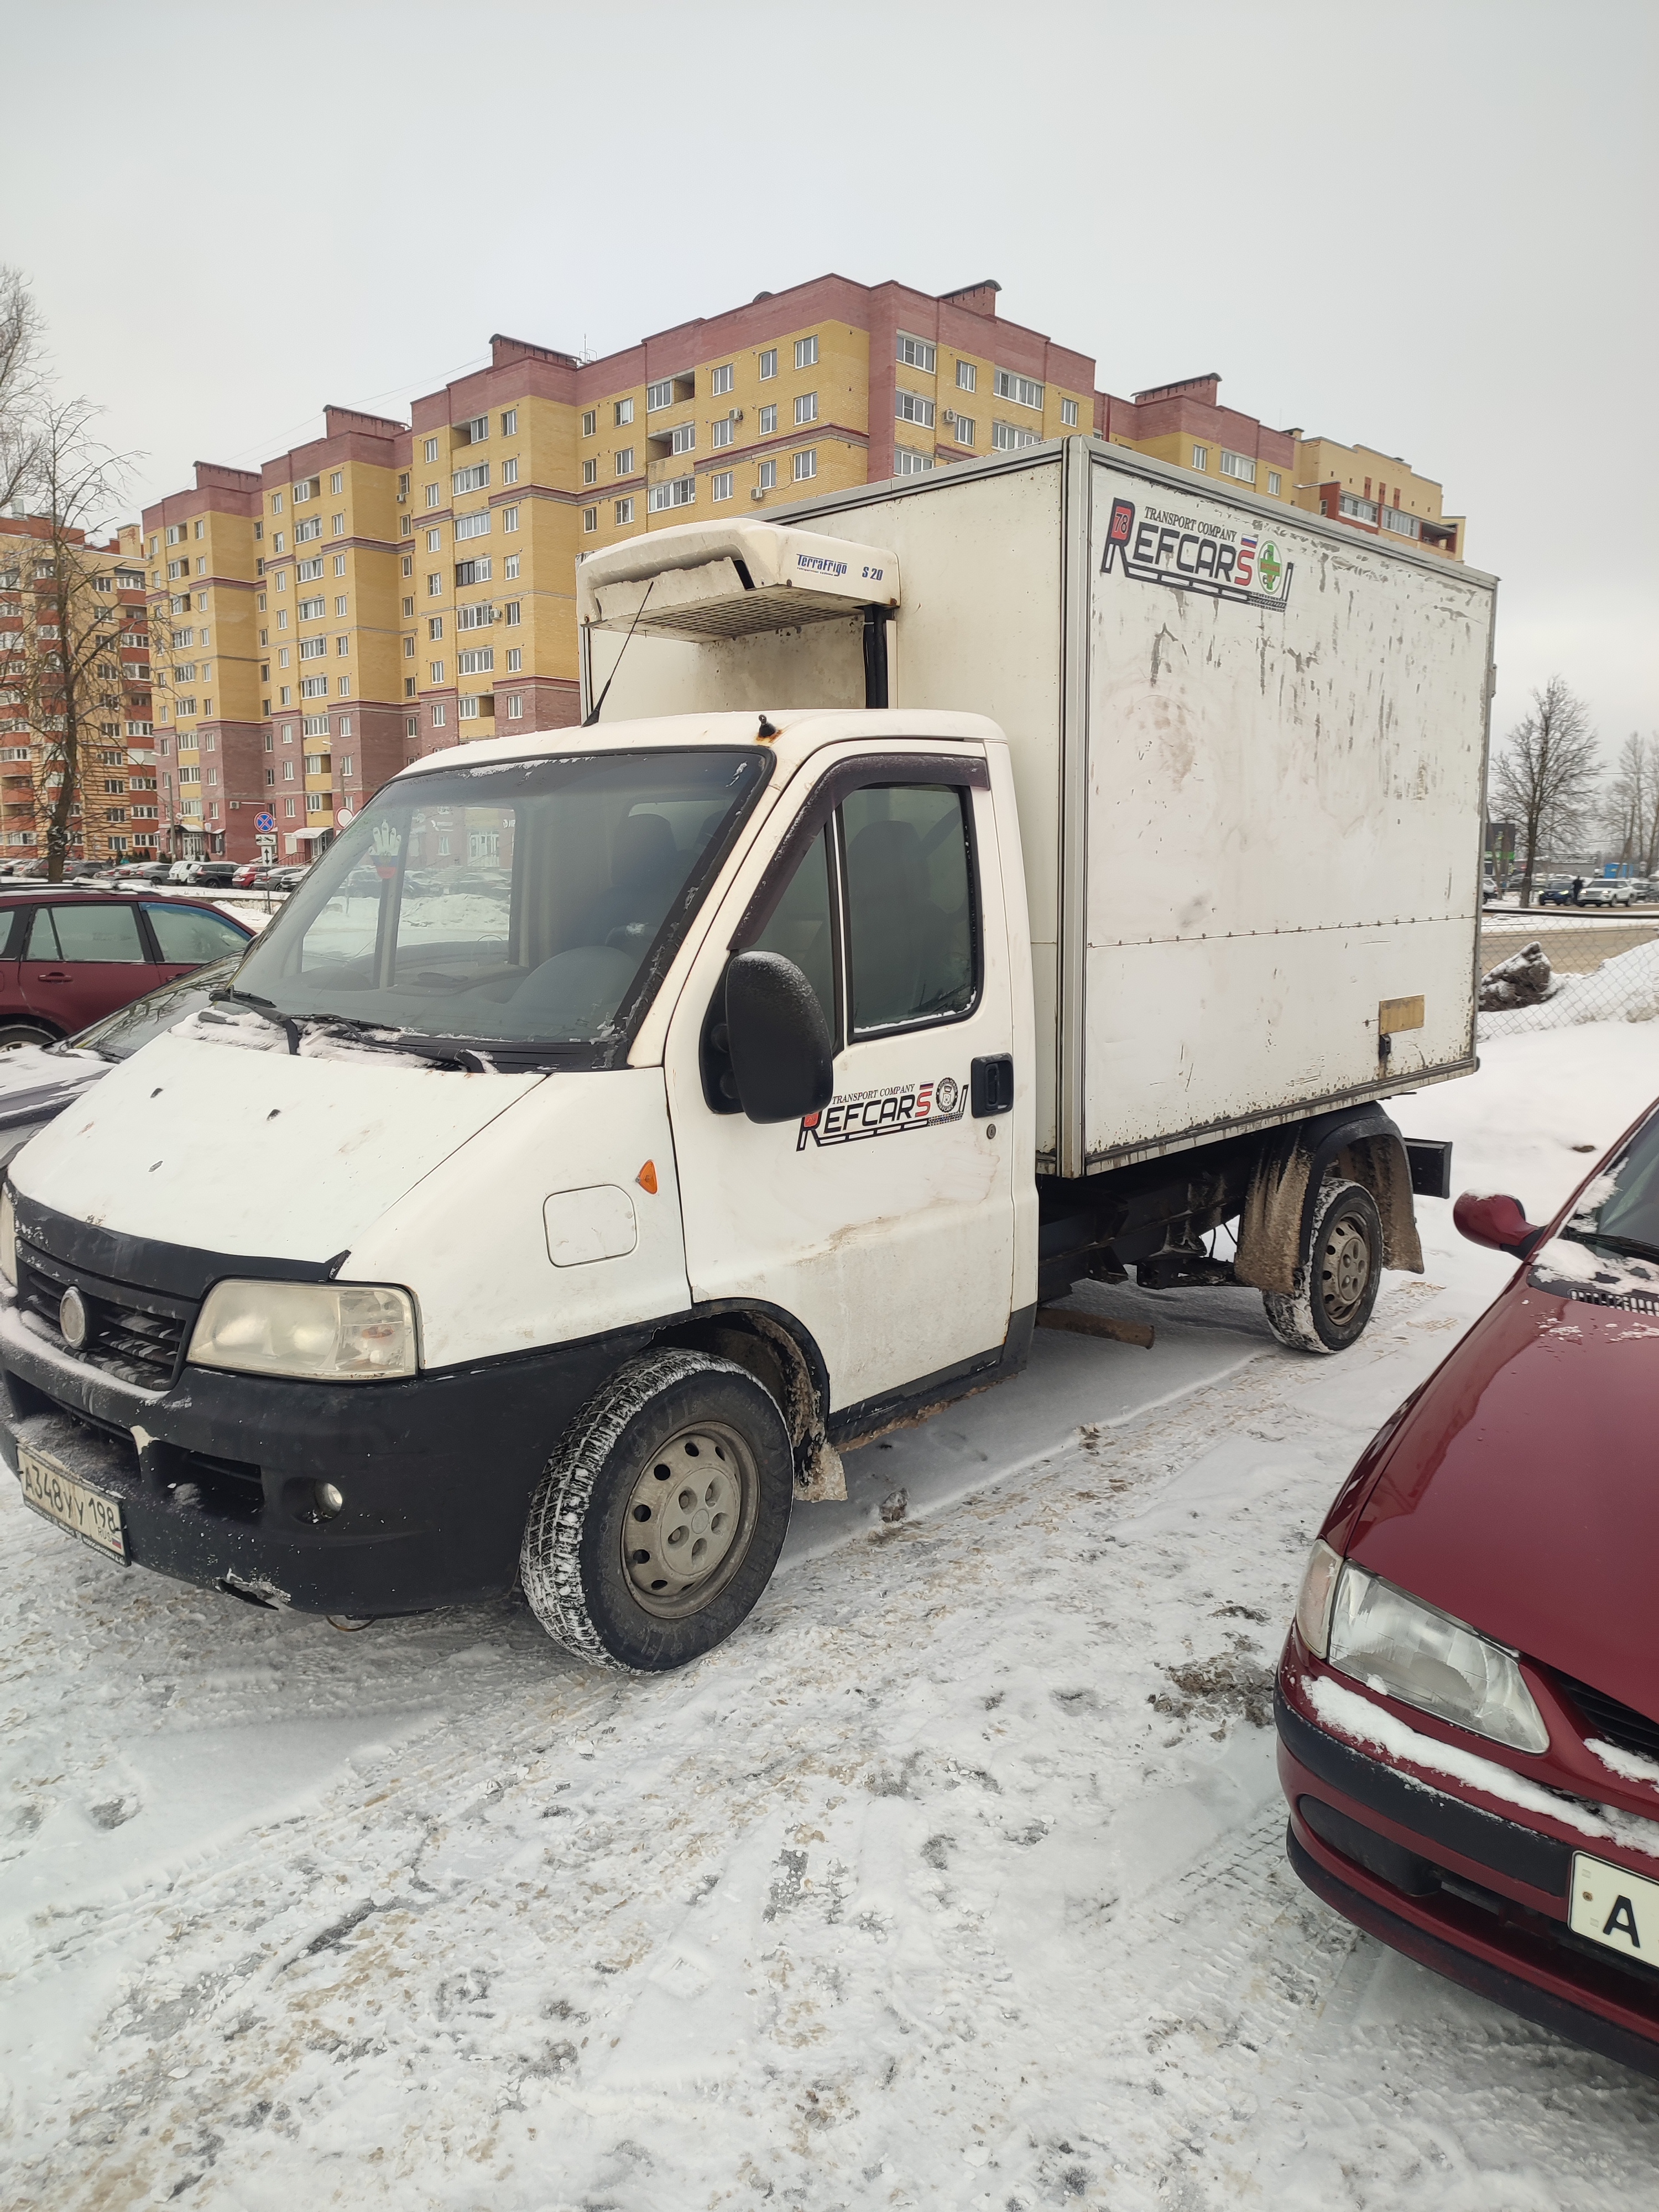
(661, 1516)
(1340, 1274)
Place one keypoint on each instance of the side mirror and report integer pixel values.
(783, 1060)
(1495, 1221)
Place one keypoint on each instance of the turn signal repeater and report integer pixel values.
(647, 1177)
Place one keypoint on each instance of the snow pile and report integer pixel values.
(1623, 989)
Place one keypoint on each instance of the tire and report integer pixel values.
(13, 1033)
(1339, 1275)
(679, 1450)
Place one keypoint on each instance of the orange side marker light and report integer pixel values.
(647, 1177)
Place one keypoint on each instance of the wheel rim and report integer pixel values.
(690, 1517)
(1345, 1269)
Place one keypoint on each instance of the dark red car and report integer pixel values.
(68, 957)
(1468, 1701)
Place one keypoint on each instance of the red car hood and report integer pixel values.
(1521, 1492)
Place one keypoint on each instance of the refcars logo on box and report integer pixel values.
(1188, 554)
(891, 1112)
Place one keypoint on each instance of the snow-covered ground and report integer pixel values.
(956, 1879)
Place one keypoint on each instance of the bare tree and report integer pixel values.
(1546, 777)
(63, 667)
(1631, 815)
(22, 389)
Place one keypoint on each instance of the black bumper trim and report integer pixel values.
(1575, 2023)
(1521, 1854)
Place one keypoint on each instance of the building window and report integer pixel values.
(435, 538)
(622, 412)
(911, 407)
(473, 479)
(435, 626)
(1068, 414)
(306, 530)
(766, 476)
(682, 438)
(515, 613)
(769, 421)
(437, 713)
(307, 572)
(510, 469)
(515, 659)
(408, 565)
(515, 706)
(476, 525)
(590, 423)
(466, 708)
(476, 428)
(1239, 467)
(478, 660)
(806, 352)
(433, 494)
(1402, 525)
(340, 605)
(722, 433)
(1010, 437)
(806, 407)
(965, 430)
(659, 395)
(591, 471)
(916, 353)
(1201, 457)
(509, 422)
(908, 463)
(431, 449)
(624, 461)
(336, 483)
(678, 491)
(1020, 389)
(806, 464)
(276, 507)
(308, 488)
(624, 510)
(719, 487)
(509, 520)
(339, 564)
(720, 381)
(435, 670)
(768, 363)
(510, 566)
(1357, 509)
(1273, 482)
(590, 517)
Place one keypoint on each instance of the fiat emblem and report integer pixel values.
(72, 1319)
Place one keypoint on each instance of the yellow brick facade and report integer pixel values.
(1375, 493)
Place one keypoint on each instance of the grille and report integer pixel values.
(134, 1334)
(1617, 1723)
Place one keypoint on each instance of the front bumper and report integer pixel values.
(214, 1476)
(1481, 1899)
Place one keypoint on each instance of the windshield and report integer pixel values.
(120, 1034)
(516, 905)
(1619, 1209)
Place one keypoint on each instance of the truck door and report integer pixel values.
(884, 1223)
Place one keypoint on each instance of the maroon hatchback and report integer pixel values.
(68, 957)
(1468, 1700)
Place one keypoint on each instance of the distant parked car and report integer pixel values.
(1488, 890)
(1557, 891)
(147, 872)
(285, 880)
(68, 957)
(37, 1082)
(1607, 891)
(216, 874)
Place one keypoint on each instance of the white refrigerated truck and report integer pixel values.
(959, 889)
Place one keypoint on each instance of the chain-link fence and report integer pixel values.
(1548, 968)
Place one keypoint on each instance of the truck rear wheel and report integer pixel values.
(661, 1516)
(1339, 1275)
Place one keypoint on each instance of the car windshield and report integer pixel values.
(120, 1034)
(1619, 1208)
(518, 903)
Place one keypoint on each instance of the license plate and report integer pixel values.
(1614, 1906)
(85, 1512)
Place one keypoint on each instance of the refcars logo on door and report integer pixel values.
(890, 1113)
(1187, 553)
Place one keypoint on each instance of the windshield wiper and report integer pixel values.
(1627, 1248)
(265, 1011)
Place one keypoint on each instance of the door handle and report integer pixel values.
(992, 1084)
(54, 975)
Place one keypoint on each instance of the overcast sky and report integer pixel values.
(1428, 227)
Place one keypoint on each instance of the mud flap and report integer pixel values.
(1279, 1206)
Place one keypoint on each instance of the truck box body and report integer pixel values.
(1249, 752)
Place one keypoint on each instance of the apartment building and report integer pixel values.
(408, 586)
(115, 814)
(1375, 494)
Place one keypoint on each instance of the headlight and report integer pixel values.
(1406, 1649)
(323, 1332)
(1313, 1603)
(8, 1237)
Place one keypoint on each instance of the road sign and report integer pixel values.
(265, 822)
(344, 817)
